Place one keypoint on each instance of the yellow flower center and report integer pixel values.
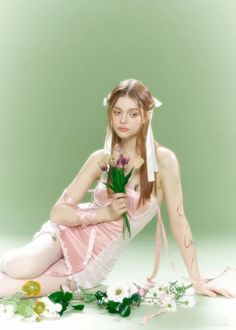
(118, 292)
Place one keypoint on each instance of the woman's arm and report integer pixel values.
(66, 210)
(173, 198)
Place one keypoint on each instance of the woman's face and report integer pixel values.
(125, 113)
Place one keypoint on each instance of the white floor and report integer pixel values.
(135, 263)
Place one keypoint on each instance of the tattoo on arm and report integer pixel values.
(188, 242)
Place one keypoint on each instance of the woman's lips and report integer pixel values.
(123, 129)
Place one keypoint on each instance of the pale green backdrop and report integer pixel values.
(58, 59)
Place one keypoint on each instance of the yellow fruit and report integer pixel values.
(31, 288)
(39, 307)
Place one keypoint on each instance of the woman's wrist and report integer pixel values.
(197, 281)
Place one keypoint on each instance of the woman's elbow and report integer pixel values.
(54, 216)
(59, 213)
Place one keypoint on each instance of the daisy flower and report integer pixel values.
(187, 302)
(117, 292)
(6, 311)
(169, 303)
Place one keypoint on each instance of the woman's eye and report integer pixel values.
(132, 114)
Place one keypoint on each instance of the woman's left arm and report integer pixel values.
(173, 198)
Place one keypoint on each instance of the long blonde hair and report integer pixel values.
(139, 93)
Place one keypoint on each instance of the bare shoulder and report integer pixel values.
(96, 157)
(97, 154)
(166, 158)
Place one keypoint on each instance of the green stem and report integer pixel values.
(126, 224)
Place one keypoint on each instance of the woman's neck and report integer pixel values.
(129, 147)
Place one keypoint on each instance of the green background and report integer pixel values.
(58, 59)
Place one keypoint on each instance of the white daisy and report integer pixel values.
(157, 291)
(187, 302)
(51, 309)
(117, 292)
(169, 303)
(6, 311)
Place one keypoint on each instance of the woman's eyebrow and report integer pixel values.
(128, 109)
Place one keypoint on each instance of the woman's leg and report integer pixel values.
(32, 259)
(30, 262)
(9, 286)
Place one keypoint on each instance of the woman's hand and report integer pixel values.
(211, 290)
(118, 205)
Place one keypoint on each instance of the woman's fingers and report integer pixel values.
(208, 293)
(213, 291)
(221, 291)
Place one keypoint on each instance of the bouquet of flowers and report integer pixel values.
(119, 298)
(117, 163)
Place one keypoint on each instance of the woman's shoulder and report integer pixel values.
(97, 155)
(164, 154)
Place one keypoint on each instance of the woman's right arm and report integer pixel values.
(66, 213)
(66, 210)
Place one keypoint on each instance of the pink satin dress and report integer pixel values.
(89, 253)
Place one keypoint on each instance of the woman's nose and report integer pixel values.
(123, 118)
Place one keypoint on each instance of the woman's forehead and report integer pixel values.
(125, 102)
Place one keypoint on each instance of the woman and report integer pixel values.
(80, 243)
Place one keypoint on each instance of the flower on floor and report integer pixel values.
(53, 305)
(119, 298)
(7, 311)
(46, 308)
(187, 302)
(169, 303)
(117, 292)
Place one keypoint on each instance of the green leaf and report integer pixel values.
(78, 307)
(124, 310)
(128, 175)
(127, 224)
(64, 307)
(67, 296)
(109, 186)
(25, 307)
(112, 306)
(100, 294)
(126, 301)
(56, 296)
(136, 297)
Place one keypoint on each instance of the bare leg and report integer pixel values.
(9, 286)
(30, 262)
(32, 259)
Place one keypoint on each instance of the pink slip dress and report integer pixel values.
(89, 253)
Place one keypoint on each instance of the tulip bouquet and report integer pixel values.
(117, 163)
(118, 298)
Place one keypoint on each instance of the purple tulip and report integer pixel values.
(119, 162)
(125, 160)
